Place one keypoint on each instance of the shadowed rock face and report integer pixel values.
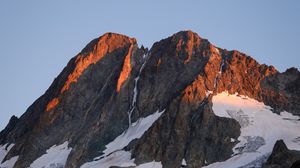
(10, 126)
(88, 103)
(282, 157)
(282, 90)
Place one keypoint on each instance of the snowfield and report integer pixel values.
(260, 129)
(115, 156)
(56, 157)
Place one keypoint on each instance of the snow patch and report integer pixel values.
(219, 74)
(260, 129)
(9, 163)
(120, 158)
(208, 92)
(152, 164)
(215, 82)
(183, 162)
(114, 155)
(135, 131)
(55, 157)
(4, 149)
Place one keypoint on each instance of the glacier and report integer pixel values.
(260, 129)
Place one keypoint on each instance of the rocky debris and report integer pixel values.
(113, 82)
(282, 157)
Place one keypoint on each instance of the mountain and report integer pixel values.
(183, 103)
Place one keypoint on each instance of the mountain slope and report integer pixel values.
(116, 104)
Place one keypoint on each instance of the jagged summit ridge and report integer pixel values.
(157, 104)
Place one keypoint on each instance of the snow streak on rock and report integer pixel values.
(260, 129)
(135, 90)
(219, 74)
(221, 68)
(55, 157)
(183, 163)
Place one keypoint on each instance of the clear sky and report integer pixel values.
(37, 38)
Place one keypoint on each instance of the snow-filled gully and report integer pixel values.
(219, 74)
(135, 90)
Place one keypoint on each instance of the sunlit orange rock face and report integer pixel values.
(126, 69)
(158, 62)
(188, 45)
(52, 104)
(195, 92)
(106, 44)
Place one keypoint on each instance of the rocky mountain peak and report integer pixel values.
(114, 40)
(183, 45)
(106, 44)
(115, 100)
(94, 52)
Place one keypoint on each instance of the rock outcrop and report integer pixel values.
(282, 157)
(112, 83)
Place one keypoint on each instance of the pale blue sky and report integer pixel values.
(37, 38)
